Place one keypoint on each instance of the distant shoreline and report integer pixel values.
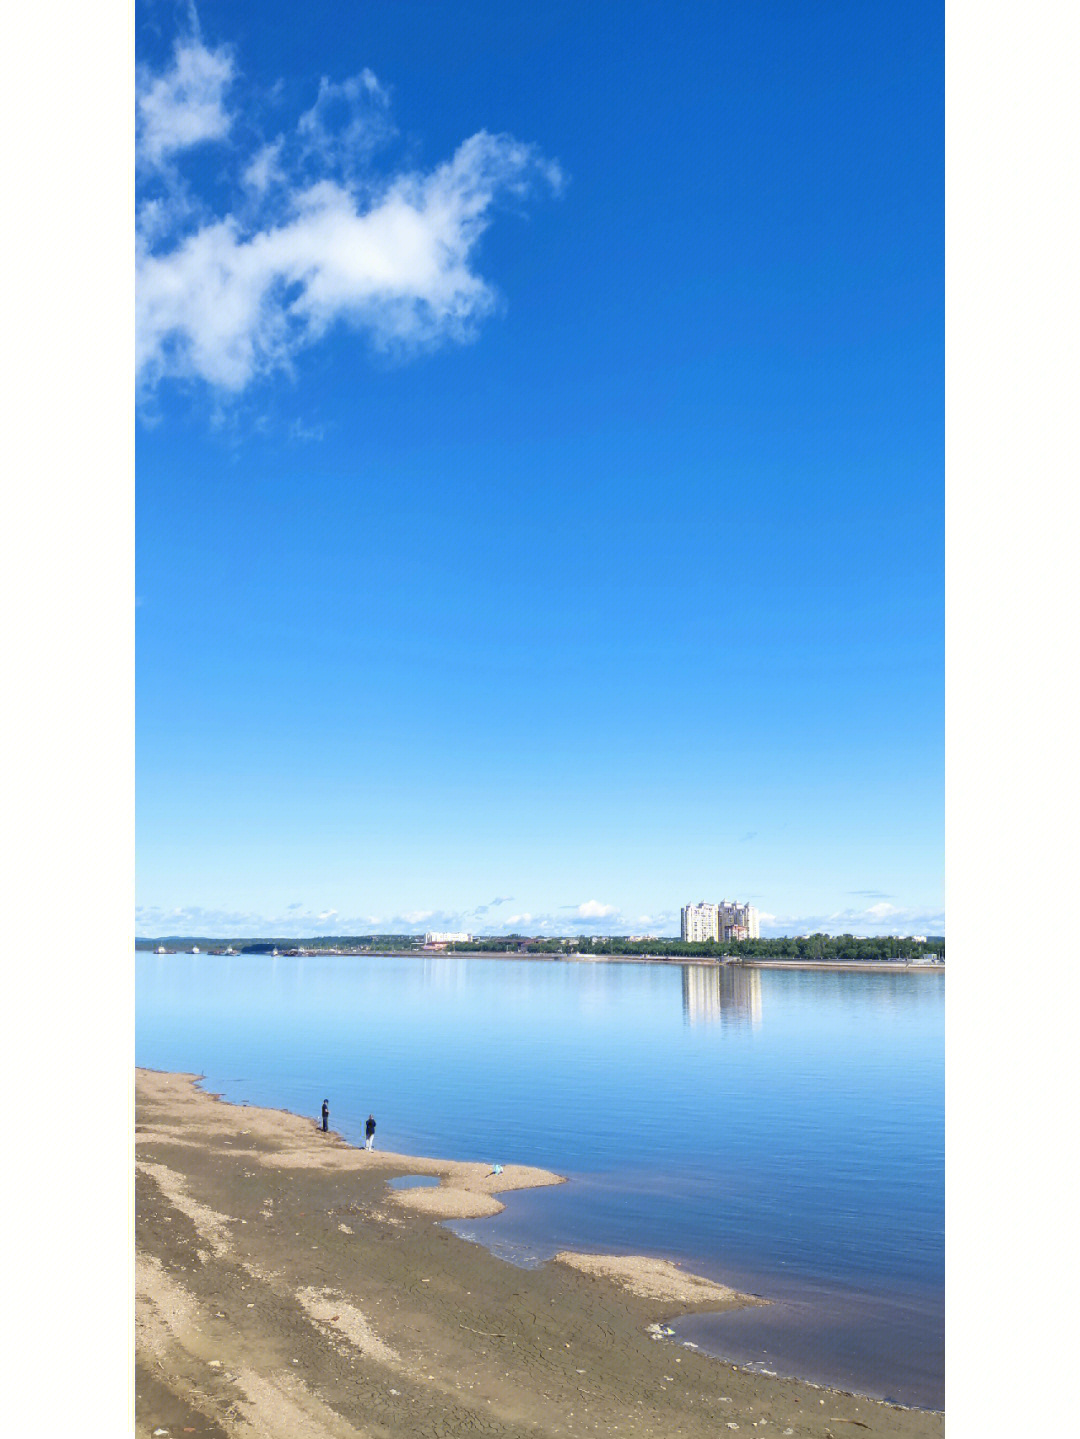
(892, 965)
(865, 966)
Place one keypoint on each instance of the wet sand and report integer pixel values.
(283, 1289)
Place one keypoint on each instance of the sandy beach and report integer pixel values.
(283, 1289)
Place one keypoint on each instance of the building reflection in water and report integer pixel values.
(725, 992)
(445, 973)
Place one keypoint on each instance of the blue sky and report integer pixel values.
(539, 467)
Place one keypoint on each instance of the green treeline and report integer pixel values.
(814, 946)
(810, 947)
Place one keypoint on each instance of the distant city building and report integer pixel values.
(738, 921)
(435, 936)
(702, 923)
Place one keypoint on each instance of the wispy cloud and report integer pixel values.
(295, 921)
(315, 237)
(347, 123)
(876, 919)
(185, 104)
(264, 169)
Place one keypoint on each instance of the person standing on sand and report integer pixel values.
(325, 1114)
(369, 1130)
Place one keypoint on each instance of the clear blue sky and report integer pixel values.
(539, 466)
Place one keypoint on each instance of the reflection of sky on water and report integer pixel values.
(764, 1126)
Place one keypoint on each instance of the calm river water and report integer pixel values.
(780, 1131)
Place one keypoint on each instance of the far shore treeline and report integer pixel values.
(813, 947)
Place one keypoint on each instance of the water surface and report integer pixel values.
(780, 1131)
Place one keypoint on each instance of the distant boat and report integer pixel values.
(194, 949)
(273, 952)
(161, 949)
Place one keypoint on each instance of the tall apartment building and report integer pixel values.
(738, 921)
(726, 920)
(700, 923)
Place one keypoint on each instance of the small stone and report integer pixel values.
(214, 1363)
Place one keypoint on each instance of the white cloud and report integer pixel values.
(265, 169)
(296, 921)
(185, 105)
(314, 240)
(879, 919)
(593, 909)
(347, 122)
(882, 911)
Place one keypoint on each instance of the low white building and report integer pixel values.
(435, 936)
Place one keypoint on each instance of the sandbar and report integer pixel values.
(283, 1289)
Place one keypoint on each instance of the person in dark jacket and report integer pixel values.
(369, 1130)
(325, 1115)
